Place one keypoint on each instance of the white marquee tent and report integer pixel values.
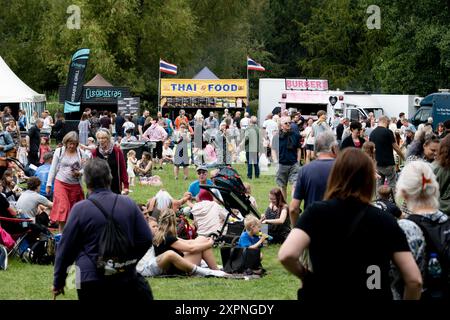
(14, 90)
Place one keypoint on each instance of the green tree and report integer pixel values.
(416, 59)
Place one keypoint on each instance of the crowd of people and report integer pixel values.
(360, 184)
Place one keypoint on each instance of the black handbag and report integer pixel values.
(239, 260)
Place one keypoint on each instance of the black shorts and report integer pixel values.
(310, 147)
(182, 164)
(157, 151)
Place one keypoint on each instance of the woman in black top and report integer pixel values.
(193, 251)
(354, 140)
(276, 216)
(351, 243)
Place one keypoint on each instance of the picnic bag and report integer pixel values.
(240, 260)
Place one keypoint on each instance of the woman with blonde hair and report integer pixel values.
(418, 187)
(165, 239)
(346, 228)
(65, 173)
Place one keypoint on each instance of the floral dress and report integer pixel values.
(417, 244)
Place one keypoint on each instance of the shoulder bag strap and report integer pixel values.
(100, 207)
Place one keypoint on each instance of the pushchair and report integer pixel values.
(34, 242)
(19, 229)
(138, 146)
(231, 194)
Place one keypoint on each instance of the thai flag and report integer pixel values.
(167, 67)
(253, 65)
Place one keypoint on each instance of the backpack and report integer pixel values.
(113, 245)
(229, 178)
(437, 237)
(42, 251)
(184, 229)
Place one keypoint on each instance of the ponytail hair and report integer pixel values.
(418, 182)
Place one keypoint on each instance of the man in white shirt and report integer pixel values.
(270, 126)
(245, 121)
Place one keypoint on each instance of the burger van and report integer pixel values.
(353, 105)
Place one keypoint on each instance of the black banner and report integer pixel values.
(75, 80)
(98, 95)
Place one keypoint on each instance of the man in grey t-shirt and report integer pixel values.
(30, 200)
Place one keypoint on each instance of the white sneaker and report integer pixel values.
(217, 273)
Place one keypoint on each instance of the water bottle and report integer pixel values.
(434, 267)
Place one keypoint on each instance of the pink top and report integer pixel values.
(155, 133)
(43, 149)
(210, 153)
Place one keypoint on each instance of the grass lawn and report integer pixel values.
(33, 282)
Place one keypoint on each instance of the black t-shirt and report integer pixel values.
(383, 139)
(348, 142)
(119, 123)
(35, 138)
(167, 245)
(341, 265)
(113, 165)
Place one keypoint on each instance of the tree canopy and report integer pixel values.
(408, 54)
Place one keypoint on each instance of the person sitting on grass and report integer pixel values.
(194, 187)
(277, 216)
(151, 266)
(167, 152)
(178, 256)
(129, 137)
(250, 236)
(162, 201)
(31, 203)
(144, 166)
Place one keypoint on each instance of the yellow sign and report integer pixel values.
(203, 88)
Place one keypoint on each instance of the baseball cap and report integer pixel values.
(202, 167)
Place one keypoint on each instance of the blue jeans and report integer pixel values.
(252, 161)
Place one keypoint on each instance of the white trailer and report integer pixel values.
(269, 96)
(393, 104)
